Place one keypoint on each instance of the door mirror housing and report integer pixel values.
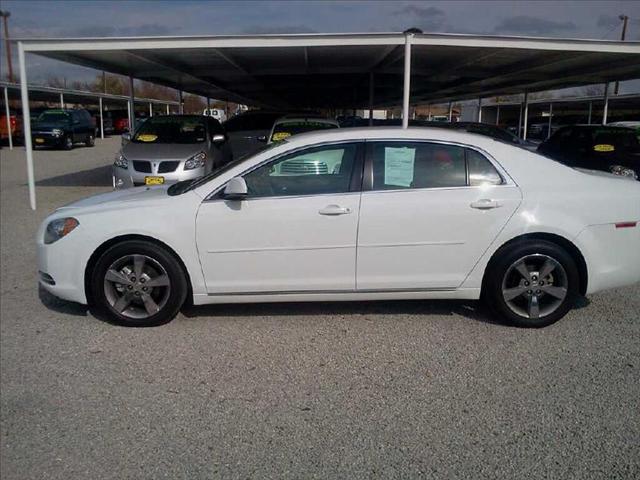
(236, 189)
(218, 138)
(126, 138)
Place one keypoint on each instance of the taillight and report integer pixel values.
(626, 224)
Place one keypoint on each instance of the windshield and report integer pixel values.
(286, 129)
(169, 129)
(186, 185)
(54, 117)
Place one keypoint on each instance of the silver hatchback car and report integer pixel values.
(171, 148)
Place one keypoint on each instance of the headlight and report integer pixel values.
(59, 228)
(121, 162)
(197, 161)
(57, 132)
(623, 171)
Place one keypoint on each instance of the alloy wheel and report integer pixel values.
(535, 286)
(137, 286)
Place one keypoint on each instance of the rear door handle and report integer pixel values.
(485, 204)
(334, 210)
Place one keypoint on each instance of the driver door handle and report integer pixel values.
(485, 204)
(334, 210)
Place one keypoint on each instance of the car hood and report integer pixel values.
(49, 126)
(161, 151)
(120, 198)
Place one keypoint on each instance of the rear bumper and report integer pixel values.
(613, 258)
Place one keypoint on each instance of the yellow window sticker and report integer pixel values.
(146, 137)
(603, 147)
(279, 136)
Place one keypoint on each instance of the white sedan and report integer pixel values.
(384, 213)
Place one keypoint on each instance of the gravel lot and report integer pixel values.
(376, 390)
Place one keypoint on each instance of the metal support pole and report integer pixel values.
(550, 117)
(605, 112)
(8, 117)
(450, 111)
(129, 114)
(407, 79)
(371, 86)
(61, 101)
(167, 109)
(26, 126)
(526, 114)
(180, 104)
(132, 106)
(520, 122)
(208, 105)
(101, 119)
(429, 116)
(498, 114)
(480, 110)
(150, 109)
(590, 112)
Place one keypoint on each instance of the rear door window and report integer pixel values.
(406, 165)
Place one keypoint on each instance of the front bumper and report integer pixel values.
(128, 177)
(60, 268)
(46, 140)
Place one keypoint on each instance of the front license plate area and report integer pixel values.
(153, 180)
(39, 140)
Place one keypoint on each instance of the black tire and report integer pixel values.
(177, 292)
(91, 141)
(67, 143)
(499, 267)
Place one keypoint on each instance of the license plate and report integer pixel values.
(153, 180)
(39, 140)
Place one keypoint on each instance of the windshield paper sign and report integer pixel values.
(398, 166)
(602, 147)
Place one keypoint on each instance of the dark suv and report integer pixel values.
(63, 129)
(596, 147)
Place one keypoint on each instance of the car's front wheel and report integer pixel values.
(67, 142)
(138, 284)
(531, 284)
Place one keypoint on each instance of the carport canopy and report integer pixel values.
(333, 70)
(344, 70)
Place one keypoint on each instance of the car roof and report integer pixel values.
(302, 118)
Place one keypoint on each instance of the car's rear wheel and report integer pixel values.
(138, 284)
(91, 141)
(531, 284)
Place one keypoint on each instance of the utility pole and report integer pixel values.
(5, 16)
(625, 20)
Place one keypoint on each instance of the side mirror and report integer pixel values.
(262, 138)
(236, 189)
(218, 138)
(126, 138)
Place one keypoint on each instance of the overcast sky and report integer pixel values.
(567, 19)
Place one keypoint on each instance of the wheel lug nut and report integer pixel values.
(130, 287)
(133, 279)
(144, 289)
(138, 294)
(530, 292)
(526, 284)
(142, 280)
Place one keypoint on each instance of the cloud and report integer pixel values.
(608, 21)
(527, 25)
(144, 30)
(255, 29)
(426, 18)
